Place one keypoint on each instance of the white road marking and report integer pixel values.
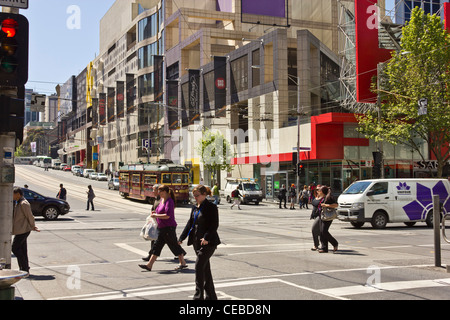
(132, 249)
(388, 286)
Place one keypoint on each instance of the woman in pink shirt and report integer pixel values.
(165, 217)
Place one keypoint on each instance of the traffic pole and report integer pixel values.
(437, 229)
(7, 177)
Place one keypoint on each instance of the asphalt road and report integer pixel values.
(265, 254)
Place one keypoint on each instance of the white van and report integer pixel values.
(392, 200)
(248, 188)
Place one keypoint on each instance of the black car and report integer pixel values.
(49, 208)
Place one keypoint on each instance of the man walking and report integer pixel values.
(91, 196)
(62, 194)
(23, 224)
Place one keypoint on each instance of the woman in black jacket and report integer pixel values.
(201, 231)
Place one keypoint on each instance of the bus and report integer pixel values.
(43, 161)
(136, 181)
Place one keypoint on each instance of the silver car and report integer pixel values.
(113, 183)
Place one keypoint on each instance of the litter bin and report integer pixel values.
(7, 279)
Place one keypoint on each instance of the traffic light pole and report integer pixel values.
(13, 76)
(7, 177)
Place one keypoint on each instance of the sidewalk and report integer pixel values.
(24, 290)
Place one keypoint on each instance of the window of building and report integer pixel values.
(146, 85)
(148, 27)
(239, 74)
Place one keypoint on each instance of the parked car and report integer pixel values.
(93, 176)
(49, 208)
(113, 183)
(75, 167)
(78, 173)
(87, 172)
(61, 166)
(67, 168)
(102, 177)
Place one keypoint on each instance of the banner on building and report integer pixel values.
(131, 92)
(111, 104)
(120, 99)
(220, 85)
(94, 112)
(102, 108)
(172, 104)
(158, 62)
(194, 96)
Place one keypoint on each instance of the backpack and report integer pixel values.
(234, 194)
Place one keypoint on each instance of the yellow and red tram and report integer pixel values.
(136, 181)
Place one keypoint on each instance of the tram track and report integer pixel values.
(104, 197)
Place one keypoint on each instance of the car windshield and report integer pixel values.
(251, 187)
(357, 187)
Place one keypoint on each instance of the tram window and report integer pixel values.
(185, 178)
(176, 178)
(136, 178)
(150, 179)
(166, 178)
(124, 177)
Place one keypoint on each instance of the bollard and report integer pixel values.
(437, 234)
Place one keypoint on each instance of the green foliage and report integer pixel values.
(33, 135)
(419, 70)
(215, 151)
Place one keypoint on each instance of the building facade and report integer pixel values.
(263, 73)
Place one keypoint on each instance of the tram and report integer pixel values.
(136, 181)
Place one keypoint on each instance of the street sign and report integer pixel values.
(146, 143)
(423, 105)
(21, 4)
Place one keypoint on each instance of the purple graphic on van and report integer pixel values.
(418, 209)
(403, 186)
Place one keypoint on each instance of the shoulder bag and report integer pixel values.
(329, 214)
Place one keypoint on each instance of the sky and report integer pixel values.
(64, 38)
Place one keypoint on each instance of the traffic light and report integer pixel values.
(14, 33)
(300, 169)
(12, 111)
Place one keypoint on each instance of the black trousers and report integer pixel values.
(325, 235)
(92, 204)
(167, 236)
(204, 284)
(281, 200)
(20, 250)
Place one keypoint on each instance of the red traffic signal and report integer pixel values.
(300, 169)
(14, 33)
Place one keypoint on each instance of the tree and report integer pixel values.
(33, 135)
(420, 70)
(215, 152)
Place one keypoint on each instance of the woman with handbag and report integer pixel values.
(328, 202)
(165, 217)
(201, 231)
